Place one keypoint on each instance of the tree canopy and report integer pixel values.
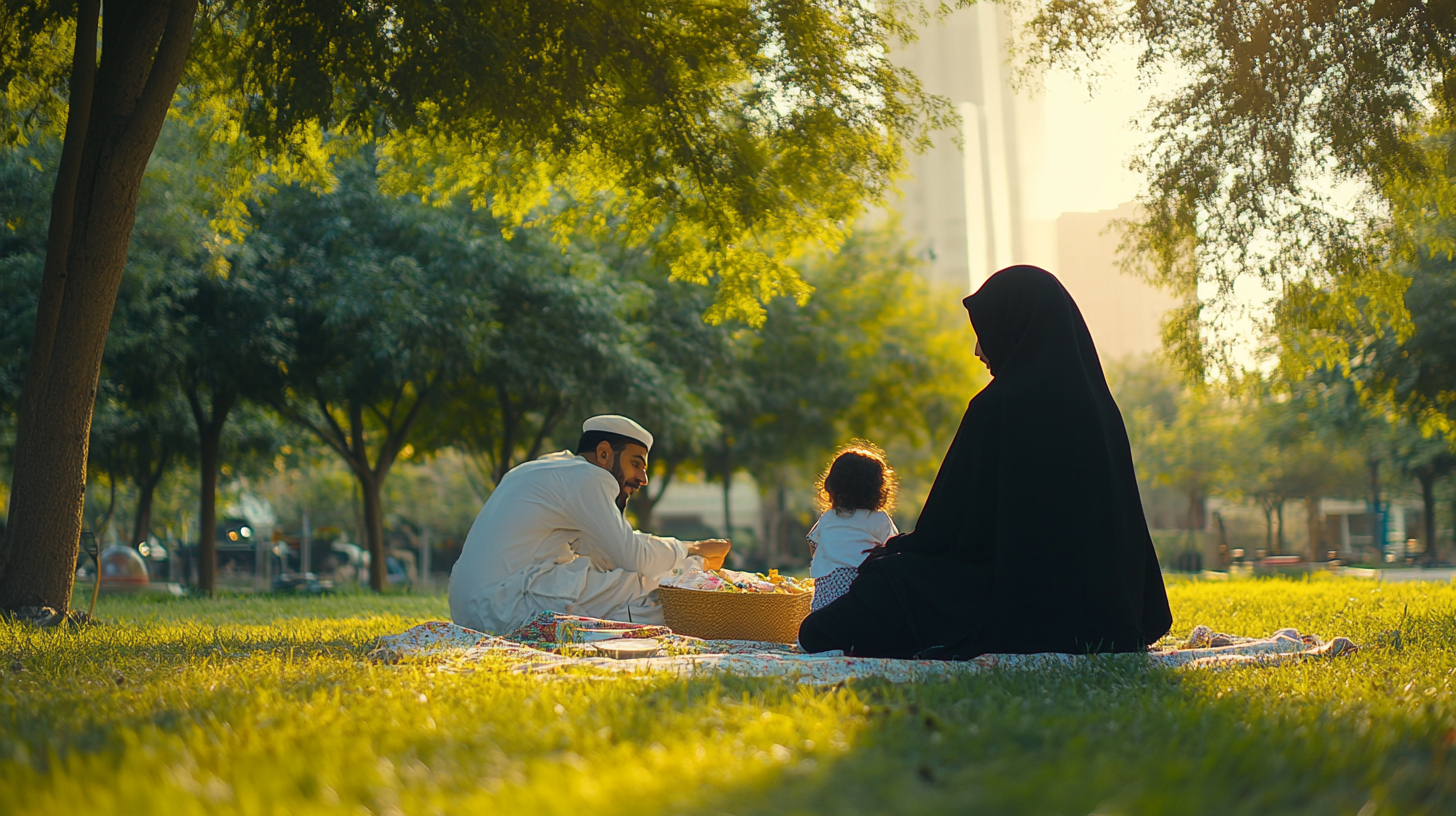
(1272, 159)
(741, 132)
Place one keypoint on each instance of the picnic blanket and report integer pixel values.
(549, 644)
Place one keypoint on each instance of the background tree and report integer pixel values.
(26, 175)
(1281, 103)
(1427, 458)
(695, 365)
(140, 446)
(561, 346)
(1405, 372)
(877, 353)
(737, 121)
(114, 114)
(387, 300)
(1286, 455)
(1190, 451)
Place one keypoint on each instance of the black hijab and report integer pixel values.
(1038, 486)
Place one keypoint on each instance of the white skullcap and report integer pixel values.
(618, 424)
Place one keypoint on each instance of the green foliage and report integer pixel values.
(265, 704)
(745, 132)
(385, 303)
(35, 42)
(1271, 160)
(24, 193)
(1183, 437)
(1409, 367)
(1289, 450)
(564, 342)
(877, 353)
(25, 182)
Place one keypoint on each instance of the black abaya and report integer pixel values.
(1033, 537)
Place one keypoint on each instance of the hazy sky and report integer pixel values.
(1088, 141)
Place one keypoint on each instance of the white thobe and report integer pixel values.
(551, 539)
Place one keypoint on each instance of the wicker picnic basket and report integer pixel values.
(773, 617)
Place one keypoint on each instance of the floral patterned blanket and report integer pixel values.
(553, 643)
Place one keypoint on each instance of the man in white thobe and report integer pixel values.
(552, 537)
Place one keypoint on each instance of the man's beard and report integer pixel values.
(623, 494)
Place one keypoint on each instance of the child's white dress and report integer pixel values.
(838, 544)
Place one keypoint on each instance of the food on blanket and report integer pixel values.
(727, 580)
(628, 648)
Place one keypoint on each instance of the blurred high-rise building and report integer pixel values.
(1124, 313)
(968, 208)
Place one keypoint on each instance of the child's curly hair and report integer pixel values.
(859, 478)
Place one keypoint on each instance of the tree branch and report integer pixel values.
(395, 441)
(508, 435)
(356, 435)
(548, 422)
(166, 73)
(295, 416)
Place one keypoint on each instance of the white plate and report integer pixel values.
(565, 633)
(628, 648)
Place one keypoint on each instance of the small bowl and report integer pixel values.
(628, 648)
(566, 633)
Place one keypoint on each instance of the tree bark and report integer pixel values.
(1377, 510)
(352, 445)
(1197, 519)
(117, 110)
(141, 527)
(209, 461)
(1427, 479)
(146, 491)
(727, 490)
(370, 489)
(1279, 510)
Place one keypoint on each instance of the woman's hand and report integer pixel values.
(876, 553)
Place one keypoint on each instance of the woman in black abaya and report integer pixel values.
(1032, 538)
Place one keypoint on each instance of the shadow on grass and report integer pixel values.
(272, 698)
(1116, 739)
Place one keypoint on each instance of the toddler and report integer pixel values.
(857, 492)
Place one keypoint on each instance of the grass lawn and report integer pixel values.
(265, 706)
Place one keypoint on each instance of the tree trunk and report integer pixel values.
(370, 489)
(642, 506)
(371, 478)
(350, 444)
(146, 490)
(1197, 519)
(141, 527)
(117, 110)
(1279, 511)
(1314, 550)
(209, 461)
(727, 491)
(1377, 511)
(1427, 479)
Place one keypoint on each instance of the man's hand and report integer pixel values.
(712, 551)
